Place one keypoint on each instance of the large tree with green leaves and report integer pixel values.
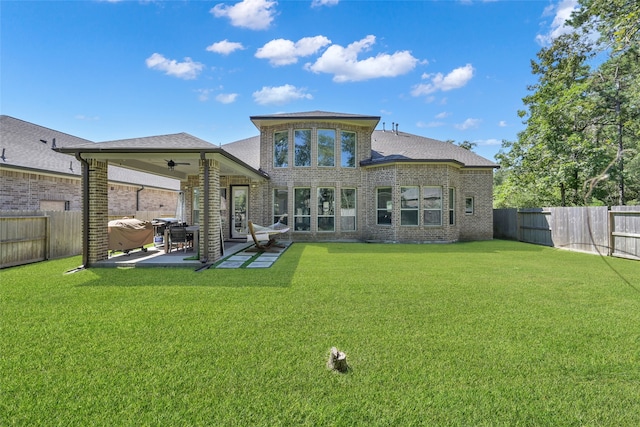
(582, 115)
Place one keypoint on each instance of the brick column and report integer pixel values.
(98, 211)
(210, 244)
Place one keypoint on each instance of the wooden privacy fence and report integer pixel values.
(31, 236)
(614, 232)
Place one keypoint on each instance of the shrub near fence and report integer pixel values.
(31, 236)
(614, 232)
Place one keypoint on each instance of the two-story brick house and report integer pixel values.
(337, 178)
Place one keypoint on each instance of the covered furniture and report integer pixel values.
(129, 233)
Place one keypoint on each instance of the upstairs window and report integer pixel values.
(326, 147)
(281, 149)
(348, 149)
(302, 139)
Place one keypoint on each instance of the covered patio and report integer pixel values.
(192, 161)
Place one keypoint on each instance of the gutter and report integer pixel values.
(138, 197)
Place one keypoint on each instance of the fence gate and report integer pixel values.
(23, 239)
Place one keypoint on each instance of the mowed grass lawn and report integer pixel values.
(483, 333)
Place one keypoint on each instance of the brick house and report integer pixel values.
(37, 177)
(335, 176)
(338, 178)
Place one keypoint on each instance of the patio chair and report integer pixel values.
(177, 237)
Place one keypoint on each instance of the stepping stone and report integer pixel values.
(260, 264)
(242, 258)
(230, 264)
(268, 255)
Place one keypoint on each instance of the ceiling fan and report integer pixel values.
(171, 164)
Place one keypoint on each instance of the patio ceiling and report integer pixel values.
(156, 161)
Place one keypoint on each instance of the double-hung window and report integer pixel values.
(384, 205)
(432, 205)
(452, 206)
(326, 209)
(348, 149)
(302, 209)
(409, 205)
(326, 147)
(281, 149)
(348, 209)
(280, 205)
(302, 138)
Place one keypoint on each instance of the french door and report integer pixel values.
(239, 211)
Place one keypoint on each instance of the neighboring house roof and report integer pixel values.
(29, 147)
(392, 147)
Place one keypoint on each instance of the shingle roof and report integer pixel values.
(247, 150)
(177, 140)
(24, 149)
(388, 147)
(355, 119)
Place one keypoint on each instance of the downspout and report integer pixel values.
(205, 192)
(138, 198)
(85, 209)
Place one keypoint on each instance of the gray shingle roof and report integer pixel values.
(24, 149)
(177, 140)
(247, 150)
(387, 147)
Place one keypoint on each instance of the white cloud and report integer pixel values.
(439, 82)
(502, 124)
(320, 3)
(468, 124)
(184, 70)
(429, 124)
(343, 62)
(203, 94)
(284, 52)
(442, 115)
(83, 117)
(561, 13)
(225, 47)
(227, 98)
(490, 141)
(280, 95)
(252, 14)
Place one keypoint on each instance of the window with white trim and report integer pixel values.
(348, 209)
(384, 205)
(409, 205)
(469, 205)
(326, 147)
(326, 209)
(302, 139)
(347, 149)
(302, 209)
(281, 149)
(280, 205)
(452, 206)
(432, 205)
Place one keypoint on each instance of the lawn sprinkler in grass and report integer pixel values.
(337, 360)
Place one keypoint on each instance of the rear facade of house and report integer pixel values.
(338, 179)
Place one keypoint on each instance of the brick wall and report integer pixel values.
(23, 191)
(98, 211)
(477, 183)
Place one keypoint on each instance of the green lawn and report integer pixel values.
(484, 333)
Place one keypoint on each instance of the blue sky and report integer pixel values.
(106, 70)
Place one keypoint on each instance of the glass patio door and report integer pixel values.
(239, 211)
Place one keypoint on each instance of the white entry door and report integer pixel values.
(239, 211)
